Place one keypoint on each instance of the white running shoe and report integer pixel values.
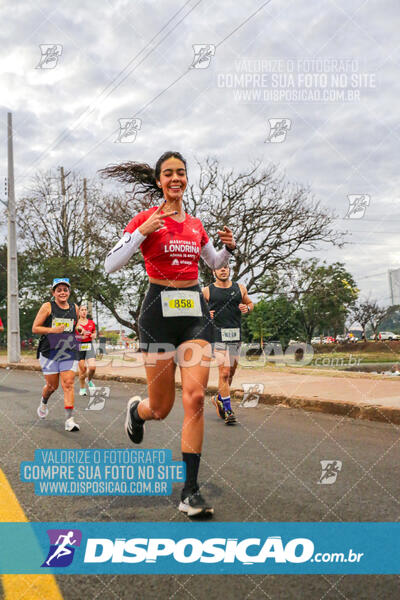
(194, 505)
(91, 384)
(70, 425)
(82, 392)
(42, 410)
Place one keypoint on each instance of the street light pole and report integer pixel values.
(86, 230)
(13, 332)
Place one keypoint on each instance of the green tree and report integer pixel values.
(3, 279)
(3, 292)
(322, 294)
(391, 322)
(111, 336)
(28, 305)
(274, 319)
(63, 235)
(257, 204)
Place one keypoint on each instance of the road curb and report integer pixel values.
(370, 412)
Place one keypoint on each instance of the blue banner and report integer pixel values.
(201, 548)
(102, 472)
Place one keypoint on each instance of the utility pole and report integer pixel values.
(13, 332)
(97, 319)
(86, 228)
(391, 287)
(64, 211)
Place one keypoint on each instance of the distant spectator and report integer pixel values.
(1, 325)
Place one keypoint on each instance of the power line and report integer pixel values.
(64, 134)
(188, 70)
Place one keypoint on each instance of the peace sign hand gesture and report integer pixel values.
(226, 237)
(156, 220)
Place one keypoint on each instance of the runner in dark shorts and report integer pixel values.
(85, 334)
(174, 323)
(227, 302)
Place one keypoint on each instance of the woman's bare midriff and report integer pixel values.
(181, 283)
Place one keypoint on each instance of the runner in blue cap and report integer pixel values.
(57, 354)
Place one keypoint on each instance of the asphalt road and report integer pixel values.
(266, 468)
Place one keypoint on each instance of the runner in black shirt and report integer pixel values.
(57, 352)
(227, 302)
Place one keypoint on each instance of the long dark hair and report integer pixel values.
(143, 177)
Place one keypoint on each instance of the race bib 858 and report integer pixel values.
(181, 303)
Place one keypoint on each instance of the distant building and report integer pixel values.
(394, 286)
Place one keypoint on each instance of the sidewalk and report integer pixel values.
(357, 395)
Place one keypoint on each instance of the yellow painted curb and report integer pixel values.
(22, 587)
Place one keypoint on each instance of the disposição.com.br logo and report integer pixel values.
(63, 543)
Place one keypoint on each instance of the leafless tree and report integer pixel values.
(271, 219)
(368, 311)
(378, 314)
(55, 223)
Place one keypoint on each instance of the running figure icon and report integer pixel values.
(62, 549)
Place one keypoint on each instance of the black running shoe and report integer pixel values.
(134, 429)
(230, 417)
(219, 406)
(194, 505)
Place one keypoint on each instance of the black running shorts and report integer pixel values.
(85, 354)
(231, 351)
(232, 347)
(162, 334)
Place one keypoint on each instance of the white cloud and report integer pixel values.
(338, 148)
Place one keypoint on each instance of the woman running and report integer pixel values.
(85, 334)
(174, 323)
(56, 322)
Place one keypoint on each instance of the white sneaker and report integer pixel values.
(91, 384)
(194, 505)
(70, 425)
(82, 392)
(42, 410)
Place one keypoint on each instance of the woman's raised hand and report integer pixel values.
(226, 237)
(156, 220)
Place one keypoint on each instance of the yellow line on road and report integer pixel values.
(22, 587)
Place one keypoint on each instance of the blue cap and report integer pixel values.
(61, 280)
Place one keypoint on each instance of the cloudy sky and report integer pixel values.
(326, 70)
